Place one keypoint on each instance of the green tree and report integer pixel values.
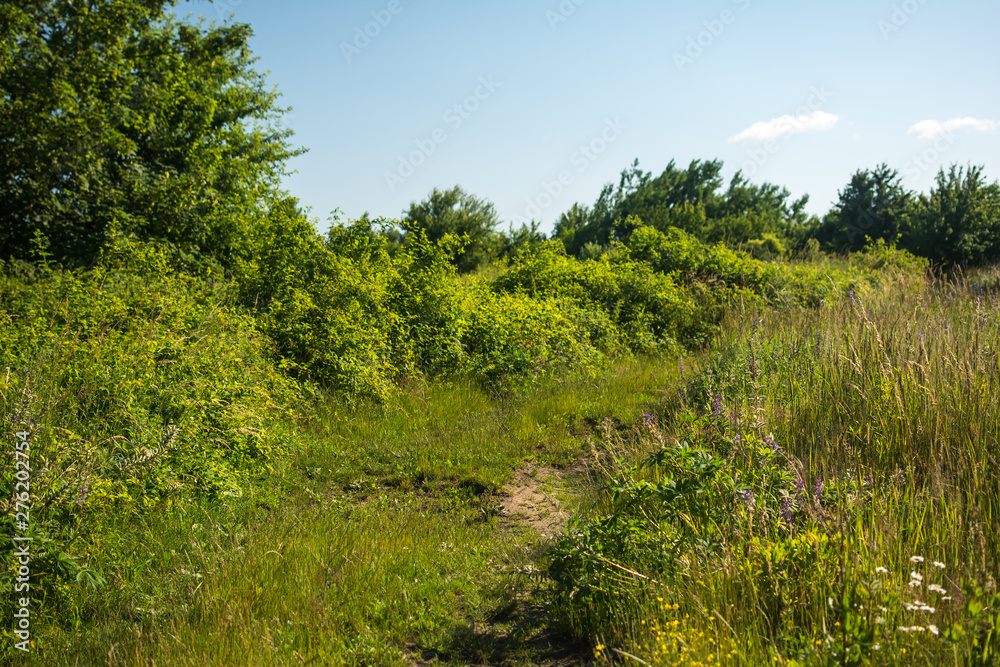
(509, 242)
(455, 212)
(113, 113)
(874, 204)
(572, 226)
(692, 199)
(959, 221)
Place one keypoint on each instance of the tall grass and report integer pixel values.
(377, 542)
(859, 490)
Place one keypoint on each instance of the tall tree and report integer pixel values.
(113, 113)
(691, 199)
(874, 204)
(455, 212)
(959, 221)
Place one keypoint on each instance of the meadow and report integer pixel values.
(787, 462)
(690, 424)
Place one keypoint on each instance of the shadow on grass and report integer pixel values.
(516, 633)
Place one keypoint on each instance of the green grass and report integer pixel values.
(890, 402)
(821, 445)
(379, 542)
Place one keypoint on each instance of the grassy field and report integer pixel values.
(384, 541)
(818, 486)
(827, 491)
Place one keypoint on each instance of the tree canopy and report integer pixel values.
(958, 222)
(455, 212)
(692, 199)
(874, 205)
(115, 114)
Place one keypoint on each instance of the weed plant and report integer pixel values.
(829, 493)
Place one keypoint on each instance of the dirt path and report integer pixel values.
(537, 496)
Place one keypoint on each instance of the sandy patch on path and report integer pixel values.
(532, 498)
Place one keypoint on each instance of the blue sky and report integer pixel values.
(537, 105)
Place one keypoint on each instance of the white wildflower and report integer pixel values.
(937, 589)
(917, 576)
(934, 629)
(881, 570)
(916, 559)
(939, 564)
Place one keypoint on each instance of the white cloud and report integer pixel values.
(929, 129)
(785, 125)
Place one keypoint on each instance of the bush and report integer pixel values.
(767, 246)
(649, 309)
(135, 385)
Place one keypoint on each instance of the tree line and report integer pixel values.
(116, 117)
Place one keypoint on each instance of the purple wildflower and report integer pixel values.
(769, 441)
(851, 294)
(788, 510)
(647, 417)
(746, 496)
(800, 491)
(81, 499)
(753, 368)
(681, 362)
(756, 323)
(818, 488)
(717, 404)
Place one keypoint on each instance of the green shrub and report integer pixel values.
(135, 385)
(650, 310)
(767, 246)
(512, 337)
(325, 304)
